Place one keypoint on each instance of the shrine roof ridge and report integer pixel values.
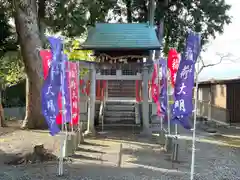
(123, 36)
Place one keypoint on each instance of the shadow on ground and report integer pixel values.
(88, 150)
(142, 151)
(11, 126)
(85, 171)
(82, 157)
(131, 135)
(6, 157)
(230, 140)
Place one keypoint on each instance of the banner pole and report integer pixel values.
(70, 91)
(64, 138)
(60, 169)
(168, 105)
(194, 124)
(79, 94)
(158, 80)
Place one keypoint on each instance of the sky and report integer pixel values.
(228, 42)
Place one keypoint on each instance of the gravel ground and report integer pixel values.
(98, 159)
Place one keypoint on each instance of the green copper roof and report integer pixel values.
(109, 36)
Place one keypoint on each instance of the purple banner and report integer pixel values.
(51, 87)
(193, 47)
(163, 87)
(183, 91)
(65, 90)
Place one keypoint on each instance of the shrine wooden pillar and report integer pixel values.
(145, 104)
(92, 100)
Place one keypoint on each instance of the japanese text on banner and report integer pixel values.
(173, 64)
(163, 86)
(51, 87)
(183, 91)
(74, 88)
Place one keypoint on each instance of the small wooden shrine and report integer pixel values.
(121, 51)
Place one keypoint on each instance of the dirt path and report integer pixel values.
(98, 159)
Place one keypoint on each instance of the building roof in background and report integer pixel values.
(223, 72)
(112, 36)
(220, 81)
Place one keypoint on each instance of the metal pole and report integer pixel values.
(60, 173)
(79, 103)
(194, 125)
(175, 152)
(168, 106)
(70, 91)
(168, 142)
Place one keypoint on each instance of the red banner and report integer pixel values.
(173, 63)
(104, 86)
(137, 91)
(74, 91)
(46, 56)
(155, 88)
(46, 61)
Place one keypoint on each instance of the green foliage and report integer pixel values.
(204, 16)
(6, 34)
(14, 96)
(11, 69)
(72, 18)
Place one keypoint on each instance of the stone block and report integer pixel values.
(68, 145)
(162, 138)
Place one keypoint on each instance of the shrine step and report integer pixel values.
(117, 120)
(119, 112)
(121, 88)
(120, 108)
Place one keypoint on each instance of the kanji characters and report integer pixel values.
(189, 54)
(175, 64)
(181, 91)
(50, 105)
(73, 85)
(185, 71)
(49, 91)
(180, 104)
(75, 104)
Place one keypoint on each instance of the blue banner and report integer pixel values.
(51, 87)
(163, 87)
(193, 47)
(183, 90)
(65, 90)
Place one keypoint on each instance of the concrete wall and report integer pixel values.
(14, 113)
(19, 112)
(216, 94)
(219, 97)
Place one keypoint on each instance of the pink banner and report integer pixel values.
(173, 63)
(74, 91)
(46, 56)
(155, 89)
(137, 91)
(46, 61)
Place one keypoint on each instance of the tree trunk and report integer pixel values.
(41, 24)
(2, 120)
(129, 10)
(28, 33)
(2, 117)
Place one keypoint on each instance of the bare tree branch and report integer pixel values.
(222, 57)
